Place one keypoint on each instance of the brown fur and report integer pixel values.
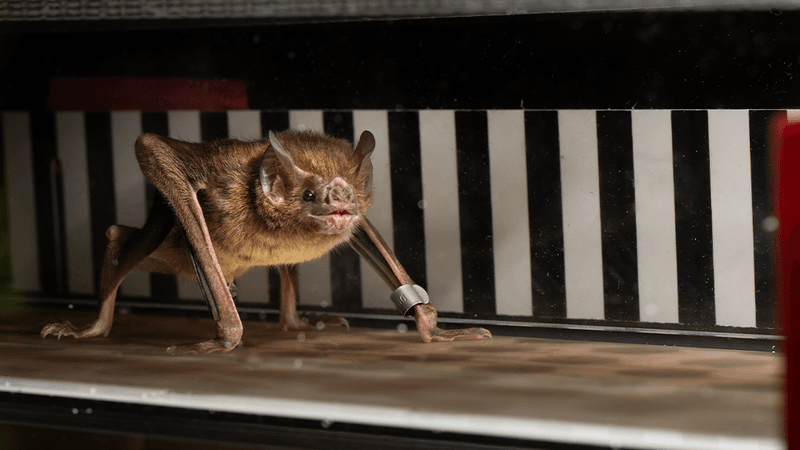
(246, 230)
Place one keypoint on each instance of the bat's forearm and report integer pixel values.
(171, 168)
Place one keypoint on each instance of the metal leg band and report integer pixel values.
(408, 295)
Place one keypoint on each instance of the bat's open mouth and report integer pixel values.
(335, 221)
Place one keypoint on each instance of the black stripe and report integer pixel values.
(213, 125)
(5, 246)
(475, 206)
(581, 60)
(49, 221)
(760, 167)
(618, 215)
(102, 201)
(693, 217)
(273, 121)
(277, 122)
(545, 214)
(345, 263)
(408, 219)
(273, 286)
(163, 287)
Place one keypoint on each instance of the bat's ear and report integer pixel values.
(363, 151)
(277, 171)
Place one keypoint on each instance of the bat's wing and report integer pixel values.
(178, 170)
(407, 296)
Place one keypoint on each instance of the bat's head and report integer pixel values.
(319, 182)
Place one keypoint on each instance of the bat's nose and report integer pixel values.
(339, 194)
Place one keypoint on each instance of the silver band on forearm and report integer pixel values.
(408, 295)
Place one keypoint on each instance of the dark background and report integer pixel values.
(669, 60)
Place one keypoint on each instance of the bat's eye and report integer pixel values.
(309, 195)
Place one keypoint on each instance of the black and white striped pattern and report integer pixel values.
(633, 216)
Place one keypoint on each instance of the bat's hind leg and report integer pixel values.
(126, 247)
(289, 319)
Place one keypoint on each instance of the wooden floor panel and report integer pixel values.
(698, 392)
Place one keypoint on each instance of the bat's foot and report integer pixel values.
(67, 329)
(449, 335)
(311, 322)
(202, 348)
(426, 317)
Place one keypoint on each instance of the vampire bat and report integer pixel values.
(223, 207)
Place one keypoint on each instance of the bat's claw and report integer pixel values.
(310, 322)
(202, 348)
(323, 320)
(449, 335)
(65, 328)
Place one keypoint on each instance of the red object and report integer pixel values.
(786, 197)
(147, 94)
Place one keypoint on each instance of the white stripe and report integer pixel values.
(185, 125)
(71, 149)
(244, 125)
(253, 286)
(514, 427)
(655, 215)
(23, 241)
(437, 131)
(732, 217)
(510, 229)
(375, 292)
(583, 257)
(306, 120)
(314, 276)
(129, 188)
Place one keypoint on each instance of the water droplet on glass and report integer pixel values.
(75, 411)
(402, 328)
(320, 325)
(298, 363)
(770, 224)
(422, 204)
(324, 303)
(70, 306)
(326, 423)
(301, 337)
